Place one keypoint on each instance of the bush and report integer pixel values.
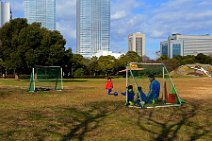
(79, 73)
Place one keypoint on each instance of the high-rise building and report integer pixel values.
(41, 11)
(136, 42)
(184, 45)
(93, 26)
(5, 13)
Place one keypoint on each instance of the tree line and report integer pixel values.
(23, 45)
(173, 63)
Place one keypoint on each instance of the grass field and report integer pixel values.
(84, 112)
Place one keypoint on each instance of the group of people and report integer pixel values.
(151, 97)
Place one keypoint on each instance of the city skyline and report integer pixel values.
(157, 19)
(93, 27)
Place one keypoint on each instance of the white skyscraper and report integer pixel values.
(41, 11)
(4, 13)
(93, 26)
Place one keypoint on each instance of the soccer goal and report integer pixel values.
(45, 78)
(137, 76)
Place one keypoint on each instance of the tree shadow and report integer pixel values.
(90, 122)
(169, 129)
(57, 123)
(7, 92)
(83, 127)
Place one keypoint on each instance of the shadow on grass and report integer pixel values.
(7, 92)
(91, 119)
(88, 124)
(168, 125)
(56, 123)
(82, 122)
(4, 94)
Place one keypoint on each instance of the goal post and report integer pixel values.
(44, 78)
(137, 76)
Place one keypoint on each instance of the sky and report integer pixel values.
(157, 19)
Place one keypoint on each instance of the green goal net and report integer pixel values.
(137, 76)
(44, 78)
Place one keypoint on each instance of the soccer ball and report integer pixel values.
(115, 93)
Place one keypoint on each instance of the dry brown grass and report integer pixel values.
(83, 111)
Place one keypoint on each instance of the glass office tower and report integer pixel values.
(42, 11)
(93, 26)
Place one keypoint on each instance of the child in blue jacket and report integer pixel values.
(154, 91)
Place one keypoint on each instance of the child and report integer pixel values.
(131, 94)
(109, 86)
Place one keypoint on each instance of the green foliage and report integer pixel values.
(78, 65)
(177, 61)
(132, 56)
(56, 48)
(25, 45)
(204, 59)
(188, 60)
(10, 44)
(93, 66)
(79, 72)
(107, 65)
(78, 61)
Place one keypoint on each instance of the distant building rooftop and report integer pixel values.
(106, 53)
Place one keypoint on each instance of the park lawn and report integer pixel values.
(83, 111)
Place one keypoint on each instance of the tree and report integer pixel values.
(204, 59)
(1, 67)
(107, 65)
(93, 66)
(42, 46)
(130, 56)
(189, 59)
(78, 65)
(9, 35)
(56, 48)
(67, 63)
(171, 64)
(79, 72)
(25, 45)
(133, 56)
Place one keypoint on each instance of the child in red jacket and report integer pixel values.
(109, 86)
